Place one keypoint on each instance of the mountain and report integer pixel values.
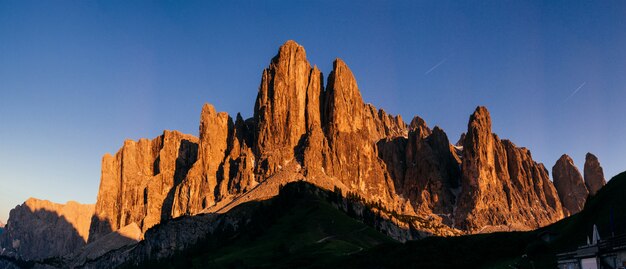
(530, 249)
(308, 227)
(172, 191)
(301, 225)
(325, 135)
(573, 190)
(40, 229)
(594, 175)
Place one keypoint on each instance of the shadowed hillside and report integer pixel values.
(40, 229)
(505, 250)
(303, 228)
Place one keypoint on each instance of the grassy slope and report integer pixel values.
(293, 239)
(294, 230)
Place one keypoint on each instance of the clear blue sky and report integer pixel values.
(79, 77)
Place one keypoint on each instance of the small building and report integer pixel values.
(609, 253)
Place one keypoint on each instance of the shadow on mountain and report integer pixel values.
(301, 226)
(43, 238)
(41, 234)
(187, 156)
(533, 249)
(393, 152)
(308, 227)
(99, 225)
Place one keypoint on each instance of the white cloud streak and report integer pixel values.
(575, 91)
(437, 65)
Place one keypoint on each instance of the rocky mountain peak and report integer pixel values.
(419, 126)
(480, 122)
(326, 135)
(344, 105)
(498, 181)
(289, 51)
(594, 176)
(288, 101)
(570, 185)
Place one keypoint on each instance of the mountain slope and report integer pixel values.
(303, 225)
(306, 230)
(40, 229)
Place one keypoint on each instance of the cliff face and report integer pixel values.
(137, 185)
(325, 134)
(40, 229)
(570, 184)
(594, 176)
(305, 130)
(572, 188)
(425, 169)
(287, 103)
(224, 166)
(299, 131)
(502, 188)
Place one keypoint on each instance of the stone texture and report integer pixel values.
(126, 236)
(570, 185)
(352, 130)
(196, 191)
(502, 188)
(138, 183)
(594, 176)
(288, 101)
(40, 229)
(425, 169)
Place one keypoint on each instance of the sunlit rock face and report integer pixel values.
(40, 229)
(138, 183)
(304, 128)
(501, 186)
(570, 185)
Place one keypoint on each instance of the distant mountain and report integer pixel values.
(177, 188)
(40, 229)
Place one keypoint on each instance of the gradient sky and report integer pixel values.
(79, 77)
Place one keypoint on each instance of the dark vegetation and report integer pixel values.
(535, 249)
(299, 228)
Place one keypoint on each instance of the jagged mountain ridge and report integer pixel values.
(327, 135)
(303, 129)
